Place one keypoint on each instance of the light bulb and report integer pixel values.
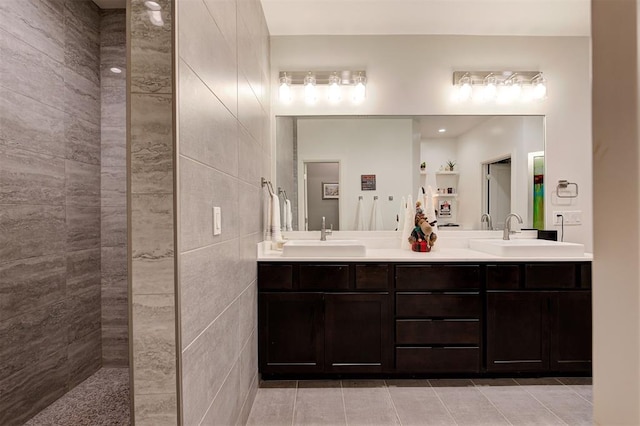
(360, 91)
(539, 87)
(465, 89)
(334, 89)
(285, 89)
(310, 89)
(491, 88)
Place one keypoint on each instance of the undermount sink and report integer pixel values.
(527, 248)
(329, 248)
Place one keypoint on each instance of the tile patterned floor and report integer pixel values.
(546, 401)
(101, 400)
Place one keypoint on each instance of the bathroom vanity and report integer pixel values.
(455, 312)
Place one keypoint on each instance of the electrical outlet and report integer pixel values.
(217, 221)
(567, 217)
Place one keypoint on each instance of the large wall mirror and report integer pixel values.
(355, 171)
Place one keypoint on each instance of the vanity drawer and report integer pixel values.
(438, 360)
(437, 277)
(372, 277)
(550, 275)
(275, 276)
(447, 331)
(503, 277)
(442, 305)
(324, 277)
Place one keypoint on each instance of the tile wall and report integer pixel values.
(50, 338)
(113, 188)
(223, 137)
(151, 214)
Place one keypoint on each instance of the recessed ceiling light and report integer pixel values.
(115, 70)
(442, 130)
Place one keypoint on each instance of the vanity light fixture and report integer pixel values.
(499, 86)
(442, 130)
(316, 84)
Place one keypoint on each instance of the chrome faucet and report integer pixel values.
(507, 225)
(324, 231)
(486, 217)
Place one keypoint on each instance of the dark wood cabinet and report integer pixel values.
(324, 318)
(385, 318)
(517, 332)
(291, 332)
(571, 331)
(539, 331)
(357, 335)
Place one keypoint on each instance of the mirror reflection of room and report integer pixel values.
(491, 157)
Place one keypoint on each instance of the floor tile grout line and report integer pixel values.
(344, 404)
(393, 404)
(490, 401)
(295, 398)
(543, 404)
(574, 391)
(442, 402)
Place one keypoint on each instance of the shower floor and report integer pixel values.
(102, 399)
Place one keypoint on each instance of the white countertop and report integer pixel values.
(380, 249)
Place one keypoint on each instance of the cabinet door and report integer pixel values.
(517, 331)
(291, 333)
(357, 332)
(571, 331)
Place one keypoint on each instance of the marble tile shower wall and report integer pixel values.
(50, 338)
(151, 192)
(223, 139)
(113, 189)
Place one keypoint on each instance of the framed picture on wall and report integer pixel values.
(330, 191)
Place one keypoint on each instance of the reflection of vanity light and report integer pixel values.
(154, 12)
(442, 130)
(115, 70)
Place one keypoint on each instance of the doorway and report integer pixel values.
(497, 192)
(322, 194)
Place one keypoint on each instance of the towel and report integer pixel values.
(375, 223)
(274, 233)
(359, 222)
(288, 215)
(401, 214)
(429, 209)
(409, 213)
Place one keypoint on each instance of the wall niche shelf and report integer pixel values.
(445, 195)
(447, 173)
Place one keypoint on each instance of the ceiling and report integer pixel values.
(460, 17)
(447, 17)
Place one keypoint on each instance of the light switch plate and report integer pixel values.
(569, 217)
(217, 221)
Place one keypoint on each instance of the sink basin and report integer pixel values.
(329, 248)
(527, 248)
